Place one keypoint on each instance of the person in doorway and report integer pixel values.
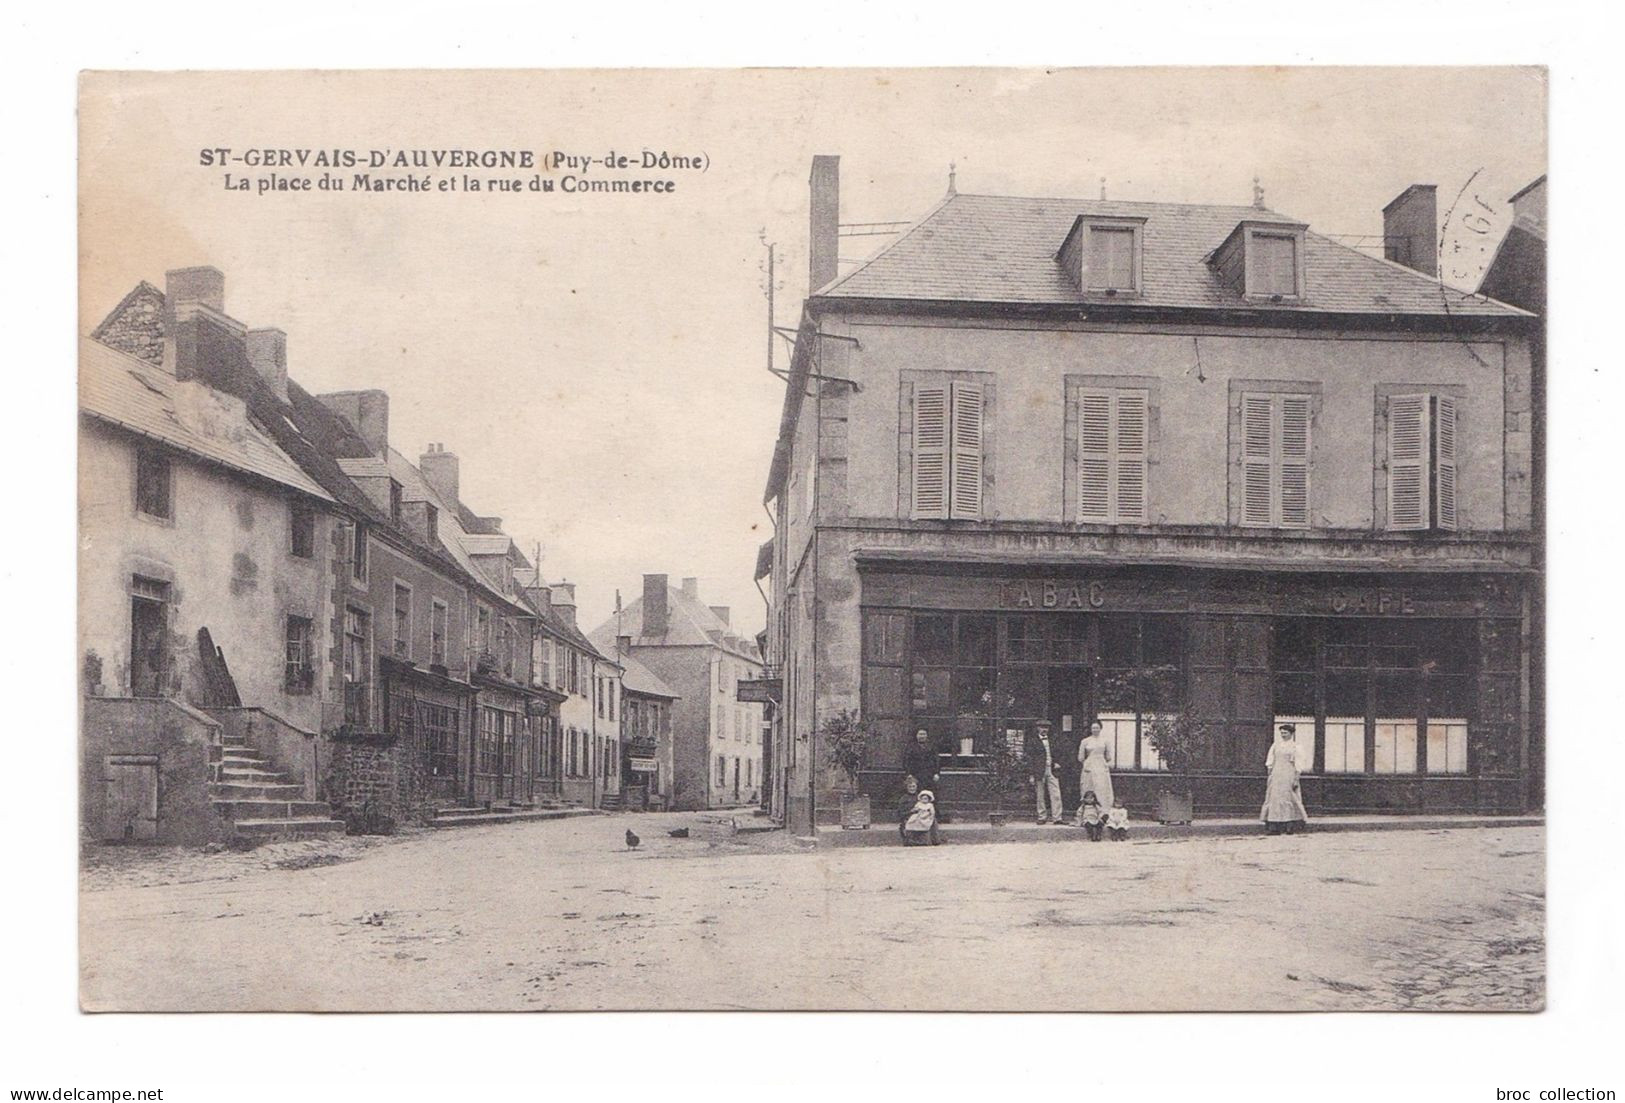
(1117, 822)
(920, 829)
(1091, 817)
(920, 759)
(1041, 767)
(1096, 770)
(1283, 809)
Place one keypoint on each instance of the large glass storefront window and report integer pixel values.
(1379, 696)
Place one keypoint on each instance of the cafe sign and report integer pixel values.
(1373, 602)
(642, 765)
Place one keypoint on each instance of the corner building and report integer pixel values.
(1036, 443)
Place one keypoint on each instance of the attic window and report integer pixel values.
(1111, 262)
(1274, 263)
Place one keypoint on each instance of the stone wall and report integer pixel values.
(186, 748)
(376, 784)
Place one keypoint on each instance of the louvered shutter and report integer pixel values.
(1408, 461)
(1257, 459)
(930, 452)
(1444, 461)
(965, 453)
(1129, 456)
(1094, 455)
(1294, 460)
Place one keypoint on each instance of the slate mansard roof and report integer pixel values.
(989, 249)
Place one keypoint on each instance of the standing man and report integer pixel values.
(1046, 786)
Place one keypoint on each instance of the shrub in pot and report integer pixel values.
(845, 740)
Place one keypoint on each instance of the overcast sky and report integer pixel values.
(598, 362)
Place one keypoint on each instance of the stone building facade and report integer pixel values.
(1036, 445)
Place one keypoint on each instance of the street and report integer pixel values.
(561, 915)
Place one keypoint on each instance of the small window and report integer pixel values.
(358, 552)
(395, 505)
(437, 633)
(298, 671)
(432, 523)
(154, 479)
(403, 621)
(301, 531)
(1111, 259)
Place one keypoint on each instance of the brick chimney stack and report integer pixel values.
(564, 601)
(192, 343)
(368, 414)
(721, 612)
(440, 468)
(824, 230)
(1410, 229)
(268, 353)
(691, 588)
(656, 615)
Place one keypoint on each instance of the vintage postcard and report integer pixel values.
(918, 539)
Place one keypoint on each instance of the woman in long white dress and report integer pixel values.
(1095, 771)
(1283, 799)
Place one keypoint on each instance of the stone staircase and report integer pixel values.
(472, 815)
(262, 803)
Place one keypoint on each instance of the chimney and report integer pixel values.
(1410, 229)
(564, 601)
(623, 645)
(189, 351)
(439, 467)
(656, 617)
(691, 588)
(824, 229)
(203, 286)
(720, 612)
(1529, 204)
(268, 353)
(367, 412)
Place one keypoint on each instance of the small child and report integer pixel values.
(1090, 816)
(920, 829)
(1117, 822)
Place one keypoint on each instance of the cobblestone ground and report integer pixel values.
(562, 915)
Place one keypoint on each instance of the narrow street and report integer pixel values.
(561, 915)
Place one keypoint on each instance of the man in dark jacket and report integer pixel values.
(1043, 769)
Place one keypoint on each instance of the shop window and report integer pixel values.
(1119, 641)
(978, 641)
(1393, 750)
(1303, 735)
(1121, 732)
(1069, 642)
(439, 724)
(1023, 692)
(1447, 746)
(1025, 639)
(934, 641)
(1345, 745)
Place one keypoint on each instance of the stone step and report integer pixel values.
(480, 816)
(261, 808)
(239, 758)
(231, 749)
(252, 775)
(300, 827)
(249, 790)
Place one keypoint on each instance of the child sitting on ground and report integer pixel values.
(1090, 816)
(920, 829)
(1117, 822)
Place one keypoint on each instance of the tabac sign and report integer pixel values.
(1051, 594)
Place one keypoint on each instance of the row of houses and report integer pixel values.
(289, 626)
(1036, 445)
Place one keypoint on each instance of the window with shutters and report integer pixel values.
(1275, 440)
(1422, 462)
(947, 435)
(1113, 445)
(1111, 264)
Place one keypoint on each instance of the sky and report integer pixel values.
(599, 362)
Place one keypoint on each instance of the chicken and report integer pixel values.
(632, 840)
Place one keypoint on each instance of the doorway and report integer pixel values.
(149, 632)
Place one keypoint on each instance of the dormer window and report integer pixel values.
(1263, 261)
(1102, 255)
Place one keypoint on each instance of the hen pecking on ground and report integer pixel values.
(632, 840)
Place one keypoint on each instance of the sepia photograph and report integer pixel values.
(916, 539)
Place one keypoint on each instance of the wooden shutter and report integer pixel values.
(930, 495)
(1408, 461)
(1444, 461)
(1129, 455)
(965, 453)
(1294, 460)
(1257, 459)
(1094, 455)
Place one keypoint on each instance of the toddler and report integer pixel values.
(1117, 822)
(1090, 816)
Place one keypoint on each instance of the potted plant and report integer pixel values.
(1180, 735)
(846, 746)
(1004, 769)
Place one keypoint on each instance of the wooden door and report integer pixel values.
(130, 813)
